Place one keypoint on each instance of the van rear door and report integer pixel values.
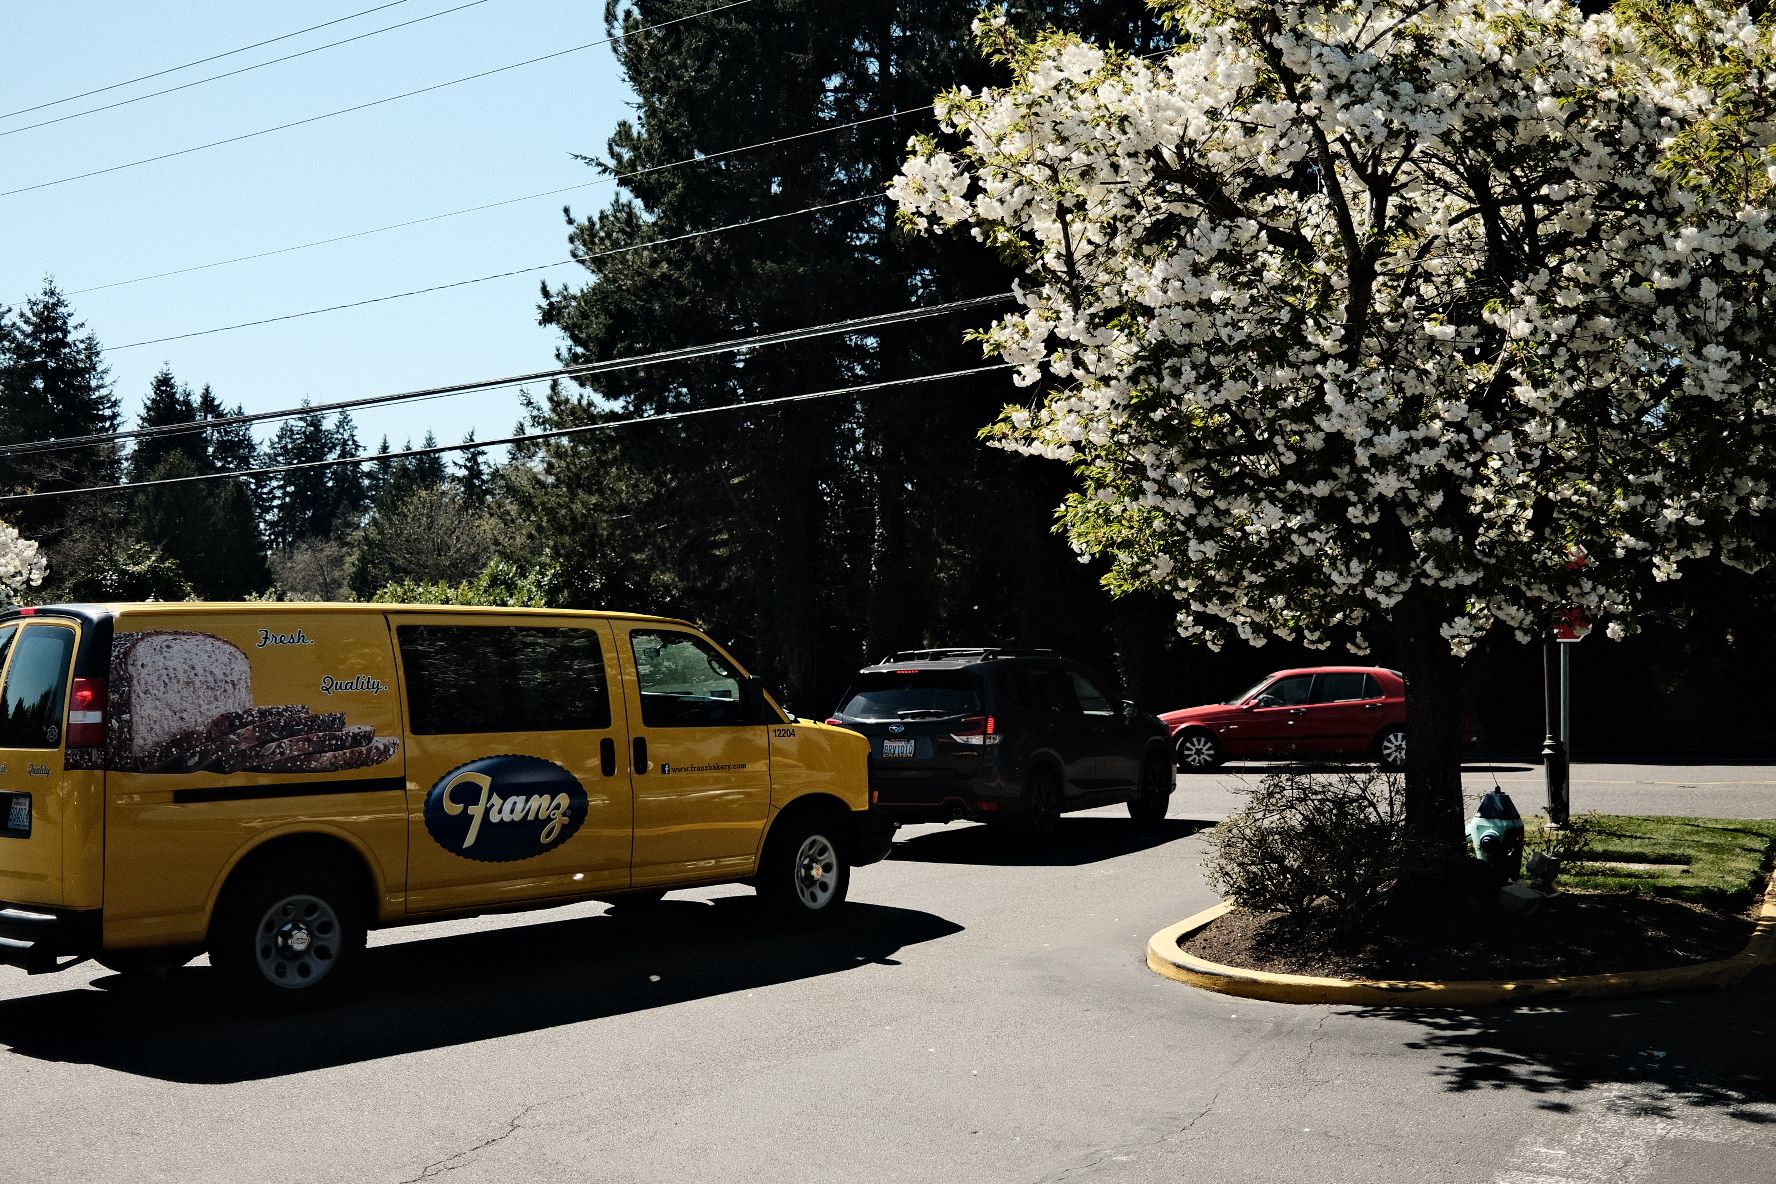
(49, 814)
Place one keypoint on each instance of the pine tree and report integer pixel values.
(840, 527)
(168, 405)
(301, 501)
(53, 385)
(351, 492)
(471, 475)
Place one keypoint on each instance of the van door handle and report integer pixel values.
(639, 750)
(607, 757)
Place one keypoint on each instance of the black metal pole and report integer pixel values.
(1554, 762)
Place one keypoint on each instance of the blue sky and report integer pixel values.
(483, 141)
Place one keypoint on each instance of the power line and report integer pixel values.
(375, 102)
(215, 57)
(583, 370)
(613, 179)
(526, 438)
(243, 70)
(500, 275)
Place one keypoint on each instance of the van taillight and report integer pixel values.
(86, 714)
(977, 729)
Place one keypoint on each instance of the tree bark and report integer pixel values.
(1436, 705)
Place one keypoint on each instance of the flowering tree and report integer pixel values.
(21, 566)
(1360, 315)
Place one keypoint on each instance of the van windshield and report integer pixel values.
(917, 694)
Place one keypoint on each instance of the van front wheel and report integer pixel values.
(803, 876)
(289, 938)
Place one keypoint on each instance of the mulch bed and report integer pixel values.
(1572, 933)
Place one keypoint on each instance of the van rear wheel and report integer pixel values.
(289, 938)
(804, 876)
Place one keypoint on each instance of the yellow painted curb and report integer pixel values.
(1164, 957)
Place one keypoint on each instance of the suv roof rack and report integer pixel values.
(961, 653)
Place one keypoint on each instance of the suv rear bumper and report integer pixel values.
(981, 799)
(38, 938)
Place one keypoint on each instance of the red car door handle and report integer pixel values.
(1371, 707)
(1298, 711)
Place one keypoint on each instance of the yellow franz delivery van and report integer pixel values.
(268, 781)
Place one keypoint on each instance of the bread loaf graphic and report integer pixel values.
(166, 688)
(182, 702)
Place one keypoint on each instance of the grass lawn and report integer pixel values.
(1716, 862)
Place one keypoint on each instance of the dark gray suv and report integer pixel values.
(1015, 736)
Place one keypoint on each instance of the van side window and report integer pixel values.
(684, 683)
(503, 678)
(36, 694)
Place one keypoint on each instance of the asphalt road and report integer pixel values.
(978, 1015)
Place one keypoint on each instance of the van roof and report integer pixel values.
(342, 608)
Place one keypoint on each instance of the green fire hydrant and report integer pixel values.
(1496, 835)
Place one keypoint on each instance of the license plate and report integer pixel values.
(897, 748)
(18, 813)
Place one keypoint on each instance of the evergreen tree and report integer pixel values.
(168, 405)
(53, 385)
(471, 475)
(350, 490)
(835, 528)
(301, 502)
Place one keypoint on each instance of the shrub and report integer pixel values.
(1329, 848)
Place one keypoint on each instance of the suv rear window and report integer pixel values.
(919, 693)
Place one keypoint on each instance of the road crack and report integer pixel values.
(451, 1162)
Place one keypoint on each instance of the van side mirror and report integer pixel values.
(757, 702)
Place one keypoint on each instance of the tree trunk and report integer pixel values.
(1435, 711)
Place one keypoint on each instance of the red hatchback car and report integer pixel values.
(1321, 711)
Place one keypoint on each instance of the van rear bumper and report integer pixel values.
(39, 938)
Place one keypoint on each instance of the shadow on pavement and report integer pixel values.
(432, 993)
(1076, 841)
(1659, 1056)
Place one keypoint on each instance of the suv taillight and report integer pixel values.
(86, 714)
(978, 730)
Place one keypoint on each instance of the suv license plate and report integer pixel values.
(897, 748)
(18, 813)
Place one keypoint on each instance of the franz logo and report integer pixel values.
(503, 808)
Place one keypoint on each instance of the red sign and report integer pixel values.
(1571, 624)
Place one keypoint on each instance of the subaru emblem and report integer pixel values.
(897, 729)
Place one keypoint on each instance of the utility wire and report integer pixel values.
(614, 178)
(215, 57)
(526, 438)
(677, 238)
(375, 102)
(155, 94)
(583, 370)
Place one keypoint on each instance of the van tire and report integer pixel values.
(804, 874)
(289, 937)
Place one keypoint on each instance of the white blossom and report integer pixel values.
(1348, 303)
(21, 565)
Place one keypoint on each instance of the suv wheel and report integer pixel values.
(1154, 794)
(1042, 804)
